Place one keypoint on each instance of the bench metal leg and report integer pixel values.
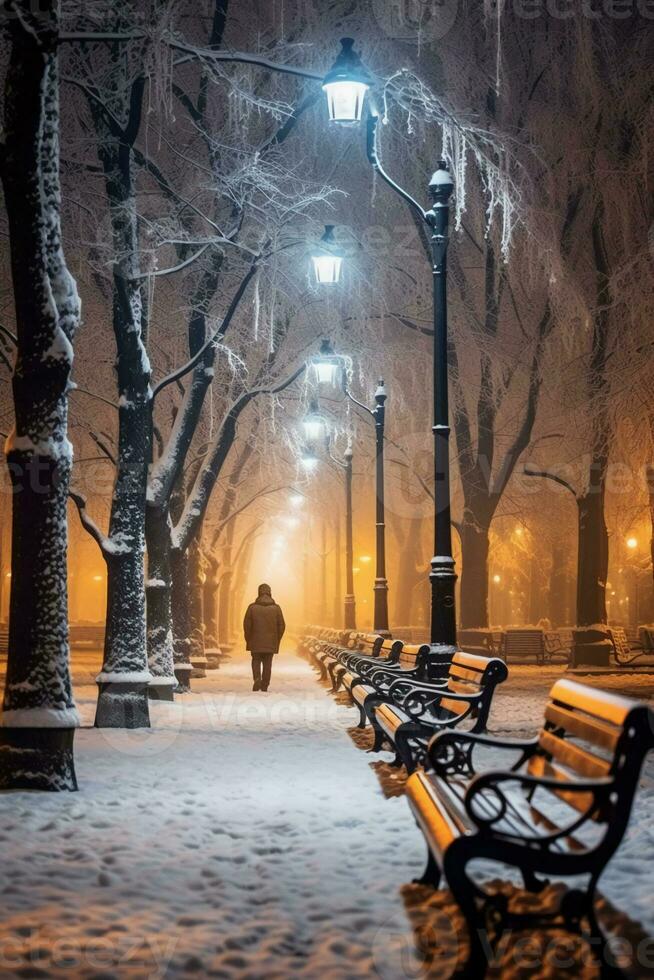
(464, 891)
(532, 883)
(404, 750)
(432, 873)
(363, 718)
(381, 738)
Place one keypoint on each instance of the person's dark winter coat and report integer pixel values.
(264, 623)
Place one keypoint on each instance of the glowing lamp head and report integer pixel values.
(632, 543)
(308, 459)
(327, 258)
(326, 364)
(497, 579)
(314, 423)
(345, 85)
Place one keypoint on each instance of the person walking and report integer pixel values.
(264, 628)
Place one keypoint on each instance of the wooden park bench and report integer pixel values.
(579, 775)
(623, 652)
(555, 645)
(524, 644)
(406, 662)
(408, 713)
(372, 651)
(86, 635)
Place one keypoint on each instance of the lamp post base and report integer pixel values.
(381, 608)
(350, 613)
(443, 610)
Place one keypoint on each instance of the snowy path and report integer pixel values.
(213, 846)
(244, 837)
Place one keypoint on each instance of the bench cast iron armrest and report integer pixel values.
(496, 800)
(419, 698)
(381, 674)
(450, 752)
(403, 687)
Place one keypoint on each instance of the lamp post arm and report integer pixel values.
(355, 401)
(375, 162)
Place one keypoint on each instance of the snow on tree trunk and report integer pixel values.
(123, 700)
(180, 598)
(164, 474)
(210, 609)
(39, 715)
(196, 612)
(159, 611)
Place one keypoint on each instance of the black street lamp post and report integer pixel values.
(326, 365)
(350, 600)
(381, 582)
(442, 576)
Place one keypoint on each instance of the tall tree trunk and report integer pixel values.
(592, 644)
(475, 532)
(210, 606)
(123, 682)
(557, 587)
(593, 560)
(224, 620)
(181, 609)
(39, 716)
(338, 577)
(196, 611)
(158, 605)
(408, 573)
(650, 498)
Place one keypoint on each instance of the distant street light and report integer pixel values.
(632, 543)
(308, 458)
(327, 258)
(314, 423)
(345, 85)
(327, 364)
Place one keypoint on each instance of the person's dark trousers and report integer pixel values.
(262, 669)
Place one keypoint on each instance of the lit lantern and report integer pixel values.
(315, 425)
(308, 458)
(632, 543)
(346, 84)
(326, 364)
(327, 258)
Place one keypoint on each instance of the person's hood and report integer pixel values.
(265, 599)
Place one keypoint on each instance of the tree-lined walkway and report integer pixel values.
(245, 836)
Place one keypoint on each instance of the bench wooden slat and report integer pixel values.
(599, 704)
(539, 766)
(575, 758)
(455, 707)
(584, 727)
(471, 676)
(469, 661)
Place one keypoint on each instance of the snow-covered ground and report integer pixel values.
(246, 836)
